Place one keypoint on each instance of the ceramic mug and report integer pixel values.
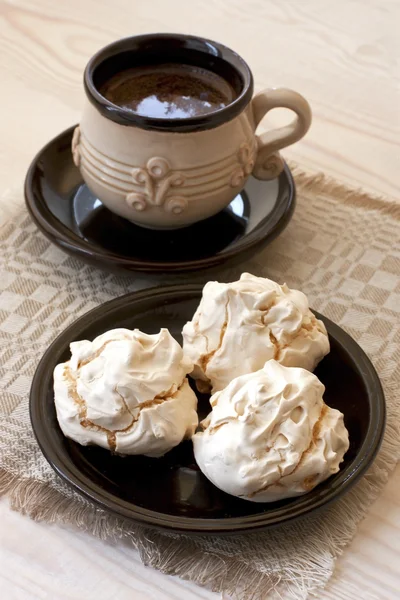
(169, 173)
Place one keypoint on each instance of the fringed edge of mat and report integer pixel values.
(319, 182)
(41, 502)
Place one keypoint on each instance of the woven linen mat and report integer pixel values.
(342, 248)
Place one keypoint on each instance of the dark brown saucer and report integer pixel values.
(170, 492)
(67, 212)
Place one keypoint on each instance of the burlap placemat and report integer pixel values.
(342, 249)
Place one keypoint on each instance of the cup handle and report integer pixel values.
(268, 162)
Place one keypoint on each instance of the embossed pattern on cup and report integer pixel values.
(165, 189)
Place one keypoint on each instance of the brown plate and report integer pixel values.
(65, 210)
(171, 492)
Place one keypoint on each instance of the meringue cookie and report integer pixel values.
(270, 435)
(126, 391)
(238, 326)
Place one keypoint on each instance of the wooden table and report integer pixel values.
(342, 56)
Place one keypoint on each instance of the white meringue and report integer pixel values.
(126, 391)
(270, 435)
(238, 326)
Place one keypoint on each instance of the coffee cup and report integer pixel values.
(182, 145)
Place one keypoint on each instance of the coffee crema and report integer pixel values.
(168, 91)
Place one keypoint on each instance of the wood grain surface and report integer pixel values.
(344, 56)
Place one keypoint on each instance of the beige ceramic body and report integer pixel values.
(160, 179)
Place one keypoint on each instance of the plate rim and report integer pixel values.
(67, 240)
(196, 525)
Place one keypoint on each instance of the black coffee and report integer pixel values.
(172, 91)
